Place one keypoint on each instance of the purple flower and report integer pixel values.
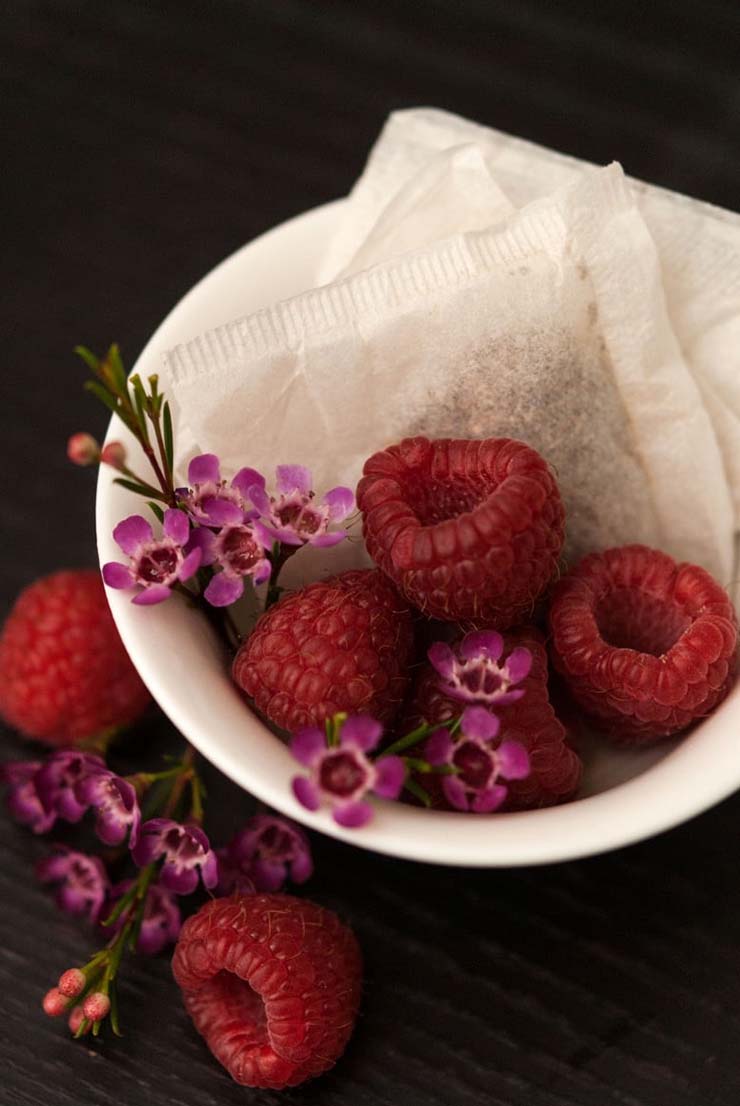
(210, 500)
(293, 517)
(82, 879)
(116, 806)
(155, 563)
(269, 850)
(161, 923)
(186, 852)
(341, 775)
(23, 800)
(239, 551)
(59, 782)
(478, 765)
(475, 675)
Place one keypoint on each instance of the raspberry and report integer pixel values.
(466, 529)
(555, 769)
(645, 645)
(341, 645)
(273, 985)
(64, 673)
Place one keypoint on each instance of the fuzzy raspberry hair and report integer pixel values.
(465, 529)
(645, 645)
(344, 644)
(272, 983)
(555, 768)
(64, 673)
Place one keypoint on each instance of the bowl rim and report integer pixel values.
(687, 781)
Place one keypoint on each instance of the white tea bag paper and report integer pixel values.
(698, 245)
(550, 327)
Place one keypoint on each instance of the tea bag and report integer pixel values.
(698, 244)
(550, 327)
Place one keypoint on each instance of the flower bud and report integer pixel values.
(82, 449)
(54, 1003)
(72, 982)
(75, 1020)
(96, 1006)
(114, 454)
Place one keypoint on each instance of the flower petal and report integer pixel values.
(262, 571)
(442, 658)
(307, 745)
(480, 724)
(301, 868)
(204, 539)
(513, 760)
(485, 802)
(518, 664)
(204, 469)
(293, 478)
(245, 480)
(224, 590)
(325, 541)
(391, 774)
(117, 575)
(209, 870)
(221, 512)
(362, 731)
(260, 498)
(439, 748)
(190, 565)
(155, 594)
(482, 643)
(306, 793)
(131, 533)
(267, 875)
(176, 525)
(341, 502)
(353, 815)
(455, 792)
(181, 881)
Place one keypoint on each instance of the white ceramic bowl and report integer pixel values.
(626, 796)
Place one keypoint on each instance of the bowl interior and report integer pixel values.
(626, 795)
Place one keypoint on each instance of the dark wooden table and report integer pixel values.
(141, 143)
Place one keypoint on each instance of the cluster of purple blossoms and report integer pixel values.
(341, 775)
(235, 526)
(66, 786)
(82, 881)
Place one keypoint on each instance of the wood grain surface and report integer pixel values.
(141, 143)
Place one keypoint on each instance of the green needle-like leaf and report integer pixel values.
(168, 436)
(88, 357)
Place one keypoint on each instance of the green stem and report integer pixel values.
(424, 730)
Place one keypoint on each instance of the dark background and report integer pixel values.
(140, 144)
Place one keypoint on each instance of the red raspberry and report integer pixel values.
(273, 984)
(645, 645)
(64, 673)
(341, 645)
(555, 769)
(466, 529)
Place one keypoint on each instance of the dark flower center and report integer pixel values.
(275, 843)
(474, 765)
(341, 774)
(158, 565)
(84, 877)
(480, 678)
(289, 514)
(240, 550)
(182, 847)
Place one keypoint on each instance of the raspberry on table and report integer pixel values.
(645, 645)
(64, 673)
(272, 983)
(465, 529)
(344, 644)
(555, 768)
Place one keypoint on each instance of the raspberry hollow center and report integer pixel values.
(630, 620)
(240, 1003)
(433, 501)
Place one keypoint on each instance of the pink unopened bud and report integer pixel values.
(54, 1003)
(82, 449)
(75, 1020)
(72, 982)
(114, 454)
(96, 1006)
